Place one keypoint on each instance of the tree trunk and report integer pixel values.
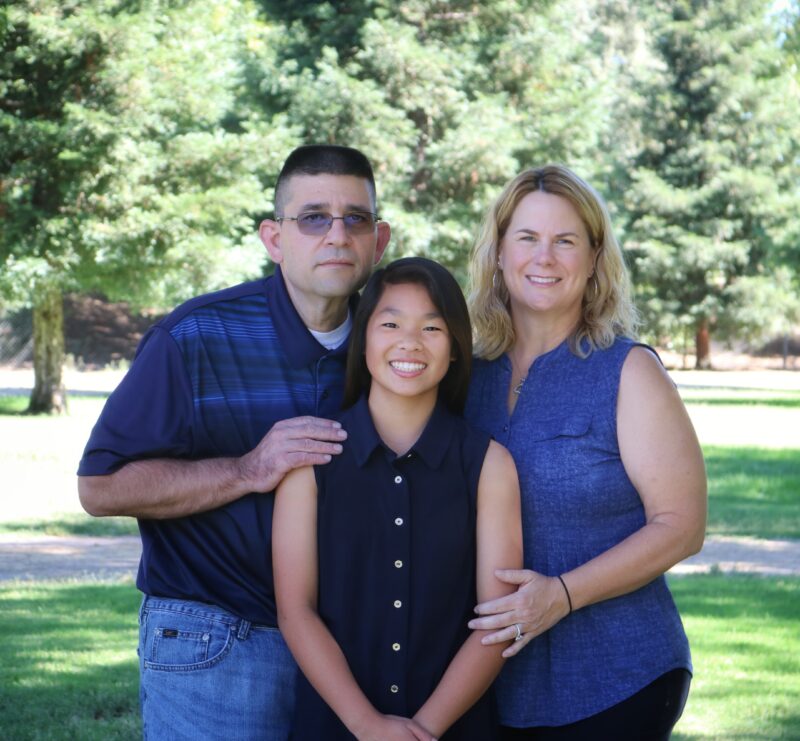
(49, 395)
(684, 347)
(702, 345)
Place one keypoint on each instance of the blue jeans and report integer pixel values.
(207, 675)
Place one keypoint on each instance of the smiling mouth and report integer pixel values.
(541, 281)
(407, 367)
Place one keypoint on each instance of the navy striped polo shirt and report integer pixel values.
(209, 381)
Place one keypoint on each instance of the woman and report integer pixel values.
(612, 477)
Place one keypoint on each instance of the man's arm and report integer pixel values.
(162, 488)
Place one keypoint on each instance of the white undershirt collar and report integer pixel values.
(335, 337)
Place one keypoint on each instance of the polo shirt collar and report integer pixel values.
(431, 446)
(300, 346)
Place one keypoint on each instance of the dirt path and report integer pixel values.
(44, 557)
(728, 554)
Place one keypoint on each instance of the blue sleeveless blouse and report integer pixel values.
(577, 502)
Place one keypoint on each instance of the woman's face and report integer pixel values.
(546, 258)
(408, 343)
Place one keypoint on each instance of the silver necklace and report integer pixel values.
(518, 388)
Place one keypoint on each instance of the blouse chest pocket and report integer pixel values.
(571, 426)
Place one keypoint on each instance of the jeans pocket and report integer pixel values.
(176, 641)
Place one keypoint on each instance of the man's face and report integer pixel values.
(332, 265)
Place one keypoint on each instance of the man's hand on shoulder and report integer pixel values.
(291, 443)
(166, 488)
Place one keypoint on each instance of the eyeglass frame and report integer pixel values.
(376, 218)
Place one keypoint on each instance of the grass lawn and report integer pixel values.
(72, 524)
(753, 491)
(39, 457)
(746, 652)
(741, 397)
(70, 672)
(760, 425)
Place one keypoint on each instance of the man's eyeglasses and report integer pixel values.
(318, 223)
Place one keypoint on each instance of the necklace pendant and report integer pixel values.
(518, 387)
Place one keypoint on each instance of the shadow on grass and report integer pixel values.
(70, 671)
(73, 524)
(791, 728)
(732, 597)
(746, 656)
(733, 401)
(12, 406)
(68, 664)
(16, 405)
(753, 491)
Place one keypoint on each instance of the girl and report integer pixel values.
(379, 554)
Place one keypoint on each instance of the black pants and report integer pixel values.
(649, 715)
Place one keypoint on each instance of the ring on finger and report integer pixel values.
(518, 636)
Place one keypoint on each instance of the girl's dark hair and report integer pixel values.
(448, 299)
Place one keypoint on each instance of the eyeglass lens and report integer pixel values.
(319, 222)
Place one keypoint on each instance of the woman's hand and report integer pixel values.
(537, 605)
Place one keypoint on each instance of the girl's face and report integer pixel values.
(408, 348)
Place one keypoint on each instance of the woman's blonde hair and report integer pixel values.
(607, 309)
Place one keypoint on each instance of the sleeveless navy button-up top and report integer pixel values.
(396, 552)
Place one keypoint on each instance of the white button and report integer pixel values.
(398, 564)
(395, 689)
(398, 603)
(395, 647)
(398, 521)
(398, 479)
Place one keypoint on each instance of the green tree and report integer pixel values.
(449, 99)
(120, 169)
(715, 178)
(55, 130)
(788, 18)
(770, 307)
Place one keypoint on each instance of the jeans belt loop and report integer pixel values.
(244, 629)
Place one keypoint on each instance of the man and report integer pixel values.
(225, 396)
